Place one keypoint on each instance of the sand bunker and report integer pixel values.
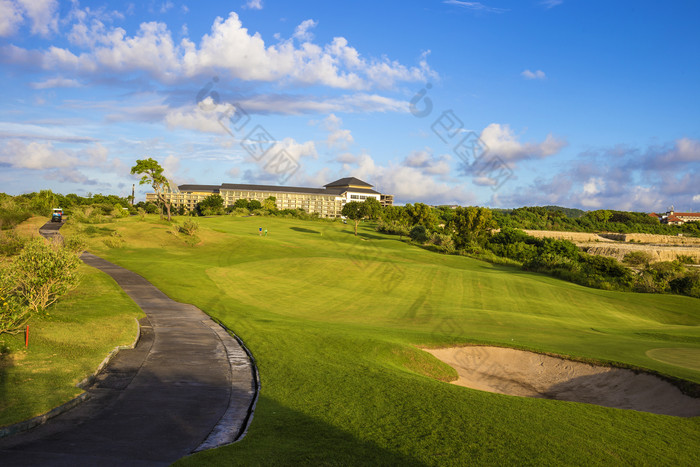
(521, 373)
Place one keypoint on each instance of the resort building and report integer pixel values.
(327, 201)
(677, 218)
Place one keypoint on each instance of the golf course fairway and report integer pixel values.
(335, 323)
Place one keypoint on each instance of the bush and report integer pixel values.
(118, 212)
(40, 274)
(13, 314)
(638, 258)
(76, 244)
(445, 242)
(419, 234)
(11, 243)
(115, 241)
(189, 227)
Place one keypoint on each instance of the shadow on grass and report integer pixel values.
(282, 436)
(364, 235)
(303, 230)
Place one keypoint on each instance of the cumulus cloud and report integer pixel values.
(206, 116)
(425, 160)
(228, 49)
(620, 177)
(538, 74)
(502, 142)
(338, 138)
(35, 155)
(302, 32)
(408, 184)
(10, 18)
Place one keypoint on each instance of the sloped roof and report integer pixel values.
(348, 181)
(687, 214)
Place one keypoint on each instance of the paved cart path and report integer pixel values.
(187, 385)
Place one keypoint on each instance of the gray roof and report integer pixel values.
(276, 188)
(211, 188)
(348, 181)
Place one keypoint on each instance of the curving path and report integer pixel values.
(187, 385)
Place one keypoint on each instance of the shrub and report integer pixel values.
(685, 259)
(445, 242)
(76, 244)
(13, 314)
(11, 243)
(118, 212)
(189, 227)
(638, 258)
(115, 241)
(40, 274)
(419, 234)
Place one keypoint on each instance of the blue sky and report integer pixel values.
(588, 104)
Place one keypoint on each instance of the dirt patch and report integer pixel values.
(528, 374)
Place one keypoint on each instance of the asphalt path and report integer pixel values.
(186, 386)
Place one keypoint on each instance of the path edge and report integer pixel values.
(34, 422)
(219, 436)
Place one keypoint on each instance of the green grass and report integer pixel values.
(65, 346)
(334, 322)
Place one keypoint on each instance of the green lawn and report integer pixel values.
(65, 346)
(334, 322)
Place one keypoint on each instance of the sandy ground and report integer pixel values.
(521, 373)
(661, 247)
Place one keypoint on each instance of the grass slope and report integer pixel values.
(65, 346)
(334, 321)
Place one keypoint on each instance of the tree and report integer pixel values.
(372, 208)
(418, 234)
(422, 214)
(254, 204)
(152, 174)
(471, 222)
(212, 204)
(355, 211)
(241, 203)
(270, 203)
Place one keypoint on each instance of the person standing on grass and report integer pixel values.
(260, 231)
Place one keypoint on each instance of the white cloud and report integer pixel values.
(502, 142)
(428, 163)
(407, 184)
(338, 138)
(10, 17)
(551, 3)
(165, 6)
(696, 198)
(43, 15)
(253, 5)
(350, 103)
(475, 6)
(538, 74)
(302, 31)
(56, 83)
(207, 116)
(228, 50)
(35, 155)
